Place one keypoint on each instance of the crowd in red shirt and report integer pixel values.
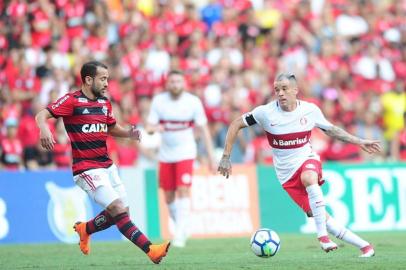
(344, 53)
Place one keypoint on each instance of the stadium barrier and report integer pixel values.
(37, 207)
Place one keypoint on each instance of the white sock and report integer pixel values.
(345, 234)
(172, 210)
(316, 201)
(183, 212)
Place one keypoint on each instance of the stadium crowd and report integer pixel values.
(350, 57)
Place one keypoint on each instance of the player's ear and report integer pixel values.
(88, 80)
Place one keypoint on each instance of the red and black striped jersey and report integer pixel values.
(86, 122)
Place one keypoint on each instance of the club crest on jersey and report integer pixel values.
(92, 128)
(303, 121)
(105, 111)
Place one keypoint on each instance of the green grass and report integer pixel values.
(297, 252)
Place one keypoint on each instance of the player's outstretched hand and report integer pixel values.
(371, 146)
(225, 166)
(47, 140)
(135, 133)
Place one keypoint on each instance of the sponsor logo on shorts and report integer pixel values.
(310, 166)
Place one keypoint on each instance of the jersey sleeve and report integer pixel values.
(200, 116)
(253, 117)
(319, 119)
(62, 106)
(111, 120)
(153, 116)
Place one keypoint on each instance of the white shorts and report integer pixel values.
(103, 185)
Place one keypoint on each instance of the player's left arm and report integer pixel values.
(369, 146)
(122, 132)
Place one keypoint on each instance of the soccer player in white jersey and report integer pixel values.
(174, 113)
(288, 122)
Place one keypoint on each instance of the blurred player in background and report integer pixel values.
(88, 120)
(288, 122)
(174, 113)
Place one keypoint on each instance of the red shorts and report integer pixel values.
(296, 189)
(173, 175)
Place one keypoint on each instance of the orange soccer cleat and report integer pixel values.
(84, 244)
(157, 252)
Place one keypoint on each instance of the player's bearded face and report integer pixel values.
(176, 84)
(96, 90)
(100, 83)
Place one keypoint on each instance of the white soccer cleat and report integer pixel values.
(326, 244)
(367, 252)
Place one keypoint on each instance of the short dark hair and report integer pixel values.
(90, 69)
(175, 72)
(290, 77)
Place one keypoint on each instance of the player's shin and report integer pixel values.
(100, 222)
(345, 234)
(182, 221)
(317, 205)
(131, 232)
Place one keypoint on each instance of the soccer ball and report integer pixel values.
(265, 243)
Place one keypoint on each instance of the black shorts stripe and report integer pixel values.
(88, 111)
(97, 159)
(88, 145)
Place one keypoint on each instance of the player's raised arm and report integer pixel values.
(46, 137)
(225, 163)
(369, 146)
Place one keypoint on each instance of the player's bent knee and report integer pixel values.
(183, 192)
(116, 207)
(309, 178)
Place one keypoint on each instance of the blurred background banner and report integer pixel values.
(220, 207)
(42, 206)
(38, 207)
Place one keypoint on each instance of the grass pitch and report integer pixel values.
(297, 252)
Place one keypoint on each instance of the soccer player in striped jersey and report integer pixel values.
(287, 122)
(88, 118)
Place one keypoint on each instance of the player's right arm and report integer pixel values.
(62, 107)
(46, 137)
(225, 163)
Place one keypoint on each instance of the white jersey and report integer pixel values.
(177, 116)
(288, 133)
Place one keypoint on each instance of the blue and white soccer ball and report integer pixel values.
(265, 243)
